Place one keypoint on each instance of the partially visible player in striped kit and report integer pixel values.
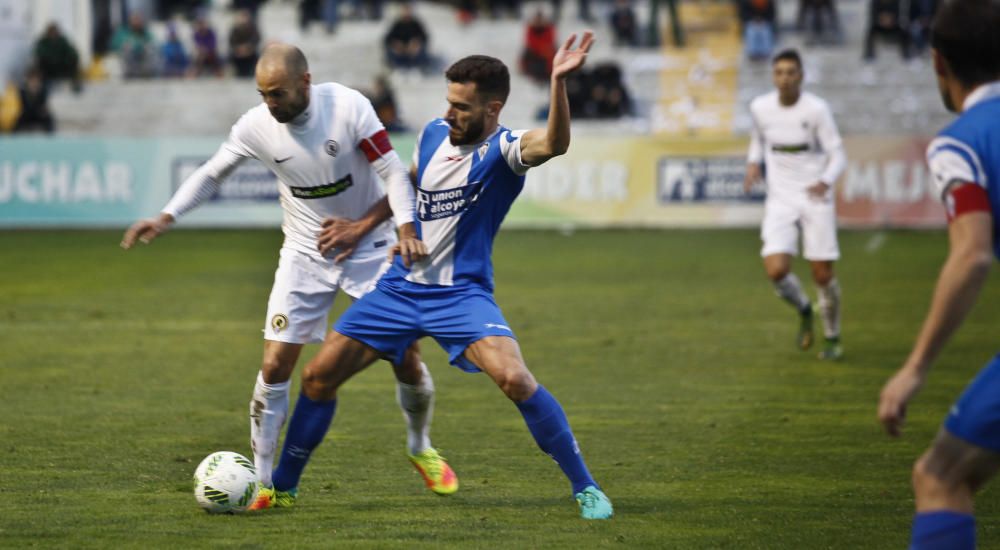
(964, 161)
(795, 140)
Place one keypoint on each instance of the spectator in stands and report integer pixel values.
(244, 41)
(56, 58)
(35, 114)
(624, 25)
(136, 48)
(205, 60)
(383, 100)
(406, 42)
(173, 56)
(252, 6)
(467, 11)
(884, 20)
(366, 9)
(608, 96)
(512, 8)
(817, 19)
(539, 48)
(326, 10)
(759, 19)
(921, 14)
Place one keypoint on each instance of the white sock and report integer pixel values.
(268, 409)
(790, 290)
(829, 308)
(417, 403)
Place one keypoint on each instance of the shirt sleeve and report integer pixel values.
(755, 154)
(953, 162)
(510, 148)
(833, 146)
(375, 144)
(204, 182)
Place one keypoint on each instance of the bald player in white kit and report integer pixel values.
(795, 137)
(326, 145)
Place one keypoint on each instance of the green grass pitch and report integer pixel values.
(120, 371)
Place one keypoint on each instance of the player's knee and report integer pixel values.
(776, 272)
(276, 369)
(317, 384)
(927, 485)
(517, 385)
(822, 275)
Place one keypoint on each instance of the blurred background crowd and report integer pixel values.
(660, 65)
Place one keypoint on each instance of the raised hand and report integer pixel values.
(568, 59)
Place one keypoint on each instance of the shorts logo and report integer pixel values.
(332, 147)
(279, 322)
(434, 205)
(327, 190)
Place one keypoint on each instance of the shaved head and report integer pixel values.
(283, 57)
(283, 81)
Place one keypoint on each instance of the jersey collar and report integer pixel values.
(982, 93)
(304, 120)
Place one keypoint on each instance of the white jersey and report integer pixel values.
(322, 160)
(798, 144)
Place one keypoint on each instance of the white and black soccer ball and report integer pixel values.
(225, 482)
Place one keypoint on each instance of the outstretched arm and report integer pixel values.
(541, 144)
(200, 186)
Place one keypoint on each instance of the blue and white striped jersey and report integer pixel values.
(463, 194)
(968, 151)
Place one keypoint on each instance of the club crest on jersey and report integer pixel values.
(482, 149)
(434, 205)
(279, 322)
(332, 147)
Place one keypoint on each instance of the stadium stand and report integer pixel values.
(699, 90)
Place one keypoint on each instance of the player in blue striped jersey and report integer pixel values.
(468, 170)
(964, 160)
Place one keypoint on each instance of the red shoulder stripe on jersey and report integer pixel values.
(963, 198)
(376, 145)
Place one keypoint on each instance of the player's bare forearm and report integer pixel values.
(540, 145)
(378, 213)
(958, 285)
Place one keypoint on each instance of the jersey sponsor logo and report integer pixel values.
(704, 179)
(279, 322)
(791, 148)
(328, 190)
(332, 147)
(435, 205)
(279, 161)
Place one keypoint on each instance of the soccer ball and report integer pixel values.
(225, 482)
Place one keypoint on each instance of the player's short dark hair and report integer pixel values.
(788, 55)
(967, 34)
(490, 75)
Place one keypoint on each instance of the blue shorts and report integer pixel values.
(976, 416)
(391, 317)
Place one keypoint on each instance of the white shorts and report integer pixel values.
(816, 219)
(304, 289)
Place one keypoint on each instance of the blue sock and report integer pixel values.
(309, 424)
(943, 530)
(547, 423)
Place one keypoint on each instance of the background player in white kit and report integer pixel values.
(795, 137)
(326, 144)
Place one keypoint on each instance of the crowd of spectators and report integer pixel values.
(904, 22)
